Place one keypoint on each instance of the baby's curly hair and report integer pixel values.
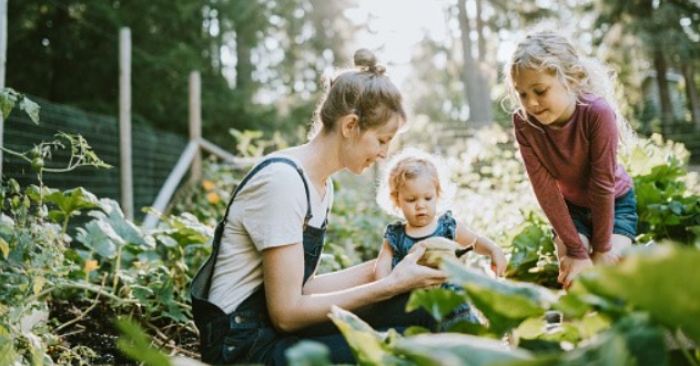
(409, 164)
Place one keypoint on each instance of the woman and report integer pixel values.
(258, 293)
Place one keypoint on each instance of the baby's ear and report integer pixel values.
(349, 125)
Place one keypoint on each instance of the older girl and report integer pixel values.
(567, 128)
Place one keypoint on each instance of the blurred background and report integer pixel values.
(261, 60)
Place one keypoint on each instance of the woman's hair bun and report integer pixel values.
(366, 60)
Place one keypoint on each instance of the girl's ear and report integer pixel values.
(349, 125)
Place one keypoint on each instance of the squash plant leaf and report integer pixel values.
(134, 343)
(369, 346)
(457, 349)
(504, 303)
(437, 301)
(650, 279)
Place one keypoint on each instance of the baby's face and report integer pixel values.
(417, 200)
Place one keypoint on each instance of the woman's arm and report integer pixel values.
(339, 280)
(483, 246)
(292, 310)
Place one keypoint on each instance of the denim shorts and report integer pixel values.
(625, 220)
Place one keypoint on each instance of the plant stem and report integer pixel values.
(117, 266)
(19, 155)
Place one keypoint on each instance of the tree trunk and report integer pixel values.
(480, 31)
(691, 92)
(664, 94)
(474, 82)
(245, 42)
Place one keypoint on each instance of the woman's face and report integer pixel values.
(367, 146)
(544, 97)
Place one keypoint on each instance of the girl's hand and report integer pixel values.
(609, 257)
(569, 268)
(409, 275)
(498, 261)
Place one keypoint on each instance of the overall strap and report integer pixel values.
(255, 170)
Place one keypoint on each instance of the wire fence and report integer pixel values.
(154, 152)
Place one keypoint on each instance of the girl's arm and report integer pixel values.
(290, 309)
(383, 266)
(601, 187)
(482, 245)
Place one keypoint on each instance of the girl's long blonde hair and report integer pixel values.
(547, 51)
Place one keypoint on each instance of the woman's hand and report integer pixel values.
(570, 267)
(409, 275)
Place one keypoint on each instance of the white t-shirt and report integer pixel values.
(269, 211)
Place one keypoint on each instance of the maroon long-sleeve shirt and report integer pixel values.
(576, 162)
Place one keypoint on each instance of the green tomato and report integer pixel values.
(38, 164)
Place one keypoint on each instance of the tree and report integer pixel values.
(666, 30)
(250, 53)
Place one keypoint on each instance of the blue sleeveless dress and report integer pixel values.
(401, 243)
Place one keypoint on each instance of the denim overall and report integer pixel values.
(246, 334)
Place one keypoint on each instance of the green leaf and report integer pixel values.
(457, 349)
(100, 238)
(122, 227)
(8, 355)
(437, 301)
(308, 353)
(654, 280)
(367, 344)
(72, 201)
(31, 108)
(135, 344)
(4, 248)
(504, 303)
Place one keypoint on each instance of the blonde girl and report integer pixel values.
(568, 128)
(417, 188)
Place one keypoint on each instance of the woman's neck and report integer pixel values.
(318, 157)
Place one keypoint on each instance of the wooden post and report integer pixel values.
(195, 121)
(3, 58)
(127, 188)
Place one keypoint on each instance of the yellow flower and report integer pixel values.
(213, 198)
(90, 265)
(208, 185)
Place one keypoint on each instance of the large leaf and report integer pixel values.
(449, 349)
(504, 303)
(369, 346)
(632, 341)
(437, 301)
(656, 280)
(101, 238)
(308, 353)
(71, 202)
(134, 343)
(8, 355)
(129, 232)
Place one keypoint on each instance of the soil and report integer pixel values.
(96, 330)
